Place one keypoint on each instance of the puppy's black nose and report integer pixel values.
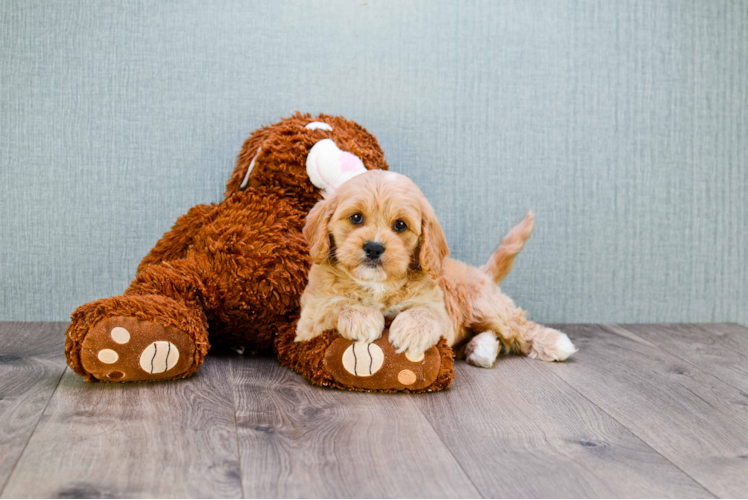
(373, 249)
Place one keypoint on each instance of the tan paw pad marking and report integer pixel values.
(406, 377)
(415, 358)
(362, 359)
(159, 357)
(108, 356)
(120, 335)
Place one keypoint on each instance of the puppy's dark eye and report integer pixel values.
(356, 219)
(399, 226)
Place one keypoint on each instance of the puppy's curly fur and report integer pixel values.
(380, 254)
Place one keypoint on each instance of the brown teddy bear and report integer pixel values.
(232, 273)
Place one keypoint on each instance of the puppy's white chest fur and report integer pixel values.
(389, 312)
(375, 288)
(378, 296)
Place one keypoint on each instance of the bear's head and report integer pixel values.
(305, 158)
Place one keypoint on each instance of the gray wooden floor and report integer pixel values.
(640, 411)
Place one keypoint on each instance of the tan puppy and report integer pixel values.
(380, 252)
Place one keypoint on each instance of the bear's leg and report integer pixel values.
(158, 330)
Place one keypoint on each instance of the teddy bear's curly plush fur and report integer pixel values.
(228, 273)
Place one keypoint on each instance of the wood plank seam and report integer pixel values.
(31, 434)
(310, 442)
(654, 341)
(446, 446)
(691, 417)
(522, 422)
(236, 430)
(633, 433)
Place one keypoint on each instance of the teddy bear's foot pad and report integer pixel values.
(376, 366)
(125, 349)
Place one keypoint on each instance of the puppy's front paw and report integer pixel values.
(306, 329)
(415, 331)
(360, 324)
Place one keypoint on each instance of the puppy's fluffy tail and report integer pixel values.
(500, 263)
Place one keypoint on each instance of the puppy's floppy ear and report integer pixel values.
(434, 247)
(316, 229)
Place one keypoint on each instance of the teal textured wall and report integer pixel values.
(623, 125)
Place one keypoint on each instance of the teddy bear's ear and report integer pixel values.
(251, 149)
(316, 229)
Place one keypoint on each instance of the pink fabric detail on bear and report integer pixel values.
(350, 162)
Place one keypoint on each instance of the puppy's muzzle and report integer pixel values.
(373, 251)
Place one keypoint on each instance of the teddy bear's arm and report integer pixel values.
(174, 243)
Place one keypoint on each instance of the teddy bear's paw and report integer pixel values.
(125, 349)
(377, 366)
